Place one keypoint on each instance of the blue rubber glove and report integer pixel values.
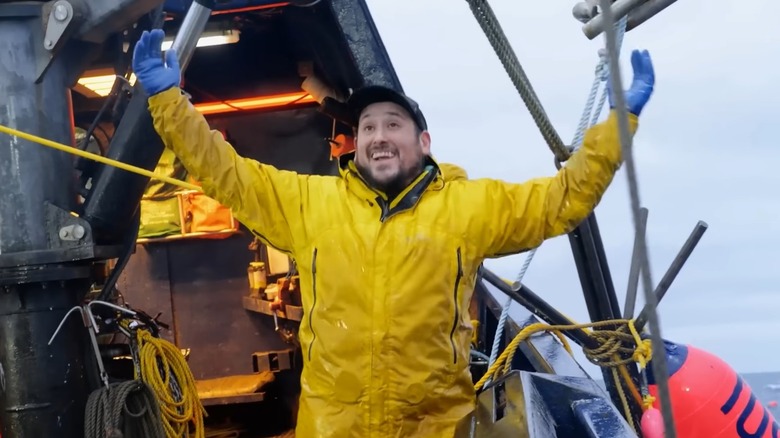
(641, 87)
(154, 75)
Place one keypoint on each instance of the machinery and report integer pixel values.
(269, 75)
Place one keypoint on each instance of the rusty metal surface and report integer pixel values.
(145, 284)
(207, 297)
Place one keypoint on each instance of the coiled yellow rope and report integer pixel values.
(161, 360)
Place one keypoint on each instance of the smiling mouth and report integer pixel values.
(382, 155)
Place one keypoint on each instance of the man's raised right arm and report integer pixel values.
(265, 199)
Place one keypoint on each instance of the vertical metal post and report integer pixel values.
(42, 388)
(599, 292)
(31, 174)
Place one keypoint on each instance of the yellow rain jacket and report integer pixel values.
(386, 284)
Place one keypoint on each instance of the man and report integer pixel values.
(388, 252)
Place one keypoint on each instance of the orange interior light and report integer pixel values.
(253, 103)
(250, 8)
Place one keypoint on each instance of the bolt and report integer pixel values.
(61, 11)
(78, 231)
(64, 233)
(72, 232)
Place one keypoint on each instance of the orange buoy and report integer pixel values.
(709, 399)
(772, 404)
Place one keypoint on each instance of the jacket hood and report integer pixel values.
(453, 172)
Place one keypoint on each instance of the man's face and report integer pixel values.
(389, 149)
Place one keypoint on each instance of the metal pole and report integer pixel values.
(633, 272)
(646, 12)
(600, 298)
(538, 306)
(591, 269)
(660, 368)
(620, 9)
(191, 28)
(674, 269)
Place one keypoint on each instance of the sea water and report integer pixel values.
(766, 387)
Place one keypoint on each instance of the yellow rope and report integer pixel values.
(614, 352)
(100, 159)
(177, 416)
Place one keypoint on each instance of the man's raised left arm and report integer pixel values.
(521, 216)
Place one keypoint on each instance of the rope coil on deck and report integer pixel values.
(123, 410)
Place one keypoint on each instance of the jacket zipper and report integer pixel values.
(458, 277)
(314, 298)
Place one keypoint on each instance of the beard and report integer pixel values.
(395, 185)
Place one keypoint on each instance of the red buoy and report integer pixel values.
(709, 399)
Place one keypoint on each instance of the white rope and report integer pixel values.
(588, 119)
(505, 311)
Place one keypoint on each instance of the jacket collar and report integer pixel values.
(430, 179)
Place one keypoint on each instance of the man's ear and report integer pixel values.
(425, 142)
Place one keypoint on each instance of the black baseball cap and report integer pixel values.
(366, 96)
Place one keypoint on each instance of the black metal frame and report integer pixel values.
(600, 298)
(598, 290)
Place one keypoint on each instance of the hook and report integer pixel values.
(90, 324)
(64, 318)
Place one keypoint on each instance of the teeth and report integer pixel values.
(383, 154)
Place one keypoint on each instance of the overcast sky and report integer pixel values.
(705, 149)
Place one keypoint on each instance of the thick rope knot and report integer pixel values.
(618, 342)
(643, 353)
(619, 345)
